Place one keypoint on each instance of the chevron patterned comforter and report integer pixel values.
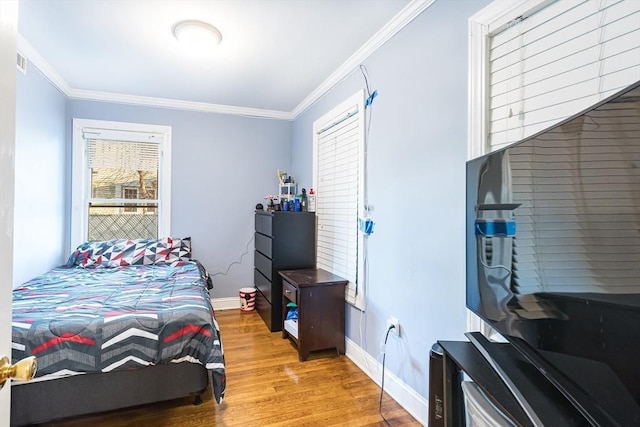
(78, 320)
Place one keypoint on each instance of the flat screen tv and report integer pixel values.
(553, 254)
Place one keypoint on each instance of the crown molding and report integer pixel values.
(398, 22)
(56, 79)
(177, 104)
(25, 48)
(406, 15)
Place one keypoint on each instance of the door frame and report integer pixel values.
(8, 51)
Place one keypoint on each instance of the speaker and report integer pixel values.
(436, 387)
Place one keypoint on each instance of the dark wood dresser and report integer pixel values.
(319, 296)
(283, 241)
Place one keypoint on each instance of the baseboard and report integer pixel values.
(406, 397)
(226, 303)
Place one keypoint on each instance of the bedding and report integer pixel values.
(111, 316)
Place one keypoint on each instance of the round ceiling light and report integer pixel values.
(197, 34)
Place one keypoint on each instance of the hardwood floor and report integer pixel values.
(268, 386)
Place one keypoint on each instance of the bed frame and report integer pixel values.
(42, 401)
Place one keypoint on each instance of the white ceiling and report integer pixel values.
(274, 54)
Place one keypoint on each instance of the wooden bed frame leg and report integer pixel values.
(198, 399)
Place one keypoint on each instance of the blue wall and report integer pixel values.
(41, 161)
(222, 166)
(416, 175)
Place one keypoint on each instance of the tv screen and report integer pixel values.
(553, 254)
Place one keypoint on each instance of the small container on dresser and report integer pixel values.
(319, 299)
(283, 241)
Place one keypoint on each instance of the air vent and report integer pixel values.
(22, 63)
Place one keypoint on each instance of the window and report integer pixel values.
(121, 181)
(338, 181)
(537, 62)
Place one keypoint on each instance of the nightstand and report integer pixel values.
(319, 296)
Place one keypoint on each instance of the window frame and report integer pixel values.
(81, 174)
(488, 21)
(609, 39)
(324, 122)
(129, 209)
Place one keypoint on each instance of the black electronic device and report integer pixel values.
(553, 254)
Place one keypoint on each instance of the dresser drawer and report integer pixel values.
(263, 244)
(263, 224)
(262, 283)
(290, 291)
(263, 264)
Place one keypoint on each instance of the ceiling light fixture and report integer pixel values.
(197, 34)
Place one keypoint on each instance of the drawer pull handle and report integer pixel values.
(287, 291)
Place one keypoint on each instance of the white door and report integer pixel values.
(8, 34)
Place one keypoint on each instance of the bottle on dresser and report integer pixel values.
(311, 201)
(304, 202)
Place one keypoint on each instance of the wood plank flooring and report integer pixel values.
(268, 386)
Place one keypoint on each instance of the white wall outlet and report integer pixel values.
(396, 325)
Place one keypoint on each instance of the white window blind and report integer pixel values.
(337, 199)
(127, 155)
(338, 168)
(558, 61)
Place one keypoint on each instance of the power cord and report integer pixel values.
(363, 310)
(384, 356)
(246, 251)
(365, 201)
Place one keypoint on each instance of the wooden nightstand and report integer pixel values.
(319, 296)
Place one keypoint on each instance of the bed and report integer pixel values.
(122, 323)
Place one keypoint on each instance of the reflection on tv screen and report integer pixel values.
(553, 249)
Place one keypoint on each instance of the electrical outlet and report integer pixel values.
(396, 325)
